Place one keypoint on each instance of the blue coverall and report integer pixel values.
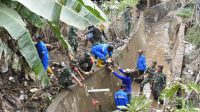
(127, 81)
(121, 98)
(100, 51)
(43, 54)
(141, 63)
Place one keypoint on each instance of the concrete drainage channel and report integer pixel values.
(80, 100)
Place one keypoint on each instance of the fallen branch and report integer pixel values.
(12, 101)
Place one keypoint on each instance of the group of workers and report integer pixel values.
(143, 75)
(83, 66)
(102, 52)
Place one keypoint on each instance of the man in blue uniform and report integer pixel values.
(141, 64)
(101, 51)
(120, 97)
(126, 80)
(93, 36)
(42, 51)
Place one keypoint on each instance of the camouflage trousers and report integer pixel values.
(73, 42)
(145, 81)
(127, 28)
(156, 92)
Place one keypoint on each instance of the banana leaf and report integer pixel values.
(48, 9)
(13, 23)
(85, 12)
(31, 17)
(78, 13)
(96, 11)
(56, 30)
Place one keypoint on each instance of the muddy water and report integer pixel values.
(157, 48)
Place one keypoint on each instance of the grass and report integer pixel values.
(185, 13)
(193, 35)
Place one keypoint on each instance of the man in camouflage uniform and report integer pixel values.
(73, 38)
(86, 63)
(149, 77)
(127, 20)
(67, 74)
(159, 82)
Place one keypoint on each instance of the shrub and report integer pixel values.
(193, 35)
(185, 13)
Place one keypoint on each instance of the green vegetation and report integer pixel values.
(125, 3)
(15, 16)
(176, 103)
(181, 103)
(186, 12)
(193, 35)
(118, 7)
(140, 104)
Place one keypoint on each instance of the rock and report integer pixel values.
(34, 90)
(63, 64)
(35, 98)
(19, 111)
(11, 79)
(23, 96)
(25, 83)
(55, 64)
(177, 79)
(4, 68)
(26, 77)
(190, 72)
(32, 75)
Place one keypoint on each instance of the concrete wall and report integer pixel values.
(177, 60)
(159, 11)
(78, 100)
(176, 36)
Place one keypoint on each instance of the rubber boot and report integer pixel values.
(50, 71)
(100, 63)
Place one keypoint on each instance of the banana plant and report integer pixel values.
(169, 93)
(13, 23)
(54, 12)
(139, 104)
(77, 13)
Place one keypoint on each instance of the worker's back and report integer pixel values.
(100, 48)
(121, 98)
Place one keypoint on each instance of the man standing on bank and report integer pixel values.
(42, 51)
